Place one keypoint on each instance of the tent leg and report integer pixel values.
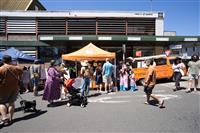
(115, 75)
(76, 65)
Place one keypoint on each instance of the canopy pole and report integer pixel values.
(115, 75)
(76, 68)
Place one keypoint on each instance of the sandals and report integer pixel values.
(6, 122)
(188, 91)
(161, 105)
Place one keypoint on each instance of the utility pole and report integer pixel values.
(124, 52)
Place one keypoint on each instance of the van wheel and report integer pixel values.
(141, 81)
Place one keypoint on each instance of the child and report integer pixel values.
(132, 82)
(26, 79)
(123, 79)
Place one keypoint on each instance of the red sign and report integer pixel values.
(138, 53)
(167, 52)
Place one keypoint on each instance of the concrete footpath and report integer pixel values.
(115, 112)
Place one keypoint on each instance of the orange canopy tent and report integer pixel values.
(89, 52)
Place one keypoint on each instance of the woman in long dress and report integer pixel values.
(52, 84)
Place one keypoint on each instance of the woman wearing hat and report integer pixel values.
(52, 84)
(85, 73)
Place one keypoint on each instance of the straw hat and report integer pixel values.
(84, 63)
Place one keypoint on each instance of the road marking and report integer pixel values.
(109, 99)
(169, 85)
(158, 91)
(198, 93)
(165, 96)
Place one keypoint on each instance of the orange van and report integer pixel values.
(163, 67)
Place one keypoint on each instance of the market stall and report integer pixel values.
(90, 53)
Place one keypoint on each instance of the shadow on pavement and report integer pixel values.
(29, 116)
(94, 95)
(178, 89)
(58, 103)
(155, 103)
(64, 102)
(18, 109)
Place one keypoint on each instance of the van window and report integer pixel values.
(171, 61)
(139, 64)
(160, 61)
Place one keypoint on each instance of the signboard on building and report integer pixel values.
(167, 52)
(178, 46)
(138, 53)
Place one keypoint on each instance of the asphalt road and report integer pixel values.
(115, 112)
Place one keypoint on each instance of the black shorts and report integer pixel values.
(148, 90)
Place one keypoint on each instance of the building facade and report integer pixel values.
(50, 34)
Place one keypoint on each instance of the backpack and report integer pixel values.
(35, 72)
(36, 75)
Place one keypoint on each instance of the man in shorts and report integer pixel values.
(35, 71)
(9, 88)
(193, 72)
(107, 75)
(150, 82)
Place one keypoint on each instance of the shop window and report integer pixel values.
(160, 61)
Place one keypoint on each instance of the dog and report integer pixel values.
(28, 105)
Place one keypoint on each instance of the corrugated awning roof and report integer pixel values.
(120, 38)
(17, 4)
(23, 43)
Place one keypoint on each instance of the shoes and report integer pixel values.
(6, 122)
(1, 123)
(50, 105)
(188, 91)
(146, 103)
(174, 89)
(161, 105)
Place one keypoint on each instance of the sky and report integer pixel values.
(181, 16)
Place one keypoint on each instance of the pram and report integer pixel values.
(73, 87)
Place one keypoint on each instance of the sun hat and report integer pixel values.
(84, 63)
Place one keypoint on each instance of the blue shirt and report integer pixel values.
(107, 69)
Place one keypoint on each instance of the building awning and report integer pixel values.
(23, 43)
(120, 38)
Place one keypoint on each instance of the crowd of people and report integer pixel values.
(107, 78)
(193, 72)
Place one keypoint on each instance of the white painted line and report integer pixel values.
(75, 38)
(109, 99)
(158, 91)
(134, 38)
(165, 96)
(104, 38)
(46, 38)
(169, 85)
(162, 39)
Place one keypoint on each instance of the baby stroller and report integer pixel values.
(72, 86)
